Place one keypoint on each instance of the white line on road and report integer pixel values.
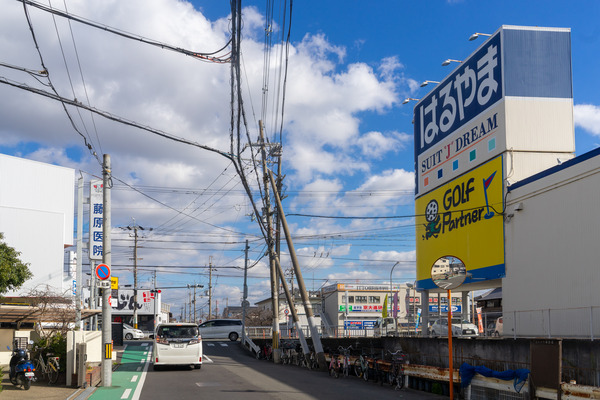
(144, 344)
(138, 389)
(223, 344)
(134, 378)
(212, 344)
(140, 368)
(126, 394)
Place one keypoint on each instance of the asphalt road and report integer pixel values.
(229, 371)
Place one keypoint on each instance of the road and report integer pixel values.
(229, 371)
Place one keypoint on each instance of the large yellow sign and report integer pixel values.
(114, 282)
(463, 219)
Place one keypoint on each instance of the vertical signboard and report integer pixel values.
(96, 218)
(458, 119)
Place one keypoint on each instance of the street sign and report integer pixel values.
(103, 272)
(104, 284)
(114, 282)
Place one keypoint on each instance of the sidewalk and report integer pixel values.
(39, 390)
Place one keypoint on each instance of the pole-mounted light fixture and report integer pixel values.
(448, 61)
(477, 34)
(425, 83)
(409, 99)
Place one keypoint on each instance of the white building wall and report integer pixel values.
(552, 276)
(36, 217)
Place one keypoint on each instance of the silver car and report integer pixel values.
(460, 328)
(221, 329)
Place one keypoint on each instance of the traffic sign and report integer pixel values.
(103, 272)
(104, 284)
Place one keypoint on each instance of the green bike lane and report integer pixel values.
(128, 379)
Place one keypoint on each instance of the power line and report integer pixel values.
(203, 56)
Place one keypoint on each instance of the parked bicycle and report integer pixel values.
(48, 368)
(345, 362)
(396, 371)
(361, 367)
(334, 366)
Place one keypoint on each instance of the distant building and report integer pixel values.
(36, 218)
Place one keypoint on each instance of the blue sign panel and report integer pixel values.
(455, 309)
(474, 87)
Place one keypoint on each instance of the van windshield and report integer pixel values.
(177, 331)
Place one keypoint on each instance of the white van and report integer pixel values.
(221, 329)
(177, 344)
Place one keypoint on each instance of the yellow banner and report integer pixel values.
(114, 282)
(462, 219)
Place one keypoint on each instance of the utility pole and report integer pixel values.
(79, 275)
(245, 298)
(305, 299)
(209, 287)
(106, 259)
(135, 282)
(270, 243)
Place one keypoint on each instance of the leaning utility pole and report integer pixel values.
(106, 259)
(305, 299)
(270, 244)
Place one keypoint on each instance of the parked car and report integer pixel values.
(177, 344)
(129, 332)
(460, 328)
(499, 327)
(221, 329)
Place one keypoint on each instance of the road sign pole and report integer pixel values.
(106, 259)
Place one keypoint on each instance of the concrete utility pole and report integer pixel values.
(135, 282)
(209, 287)
(305, 299)
(106, 259)
(79, 275)
(245, 298)
(270, 243)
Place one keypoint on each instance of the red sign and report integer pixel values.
(103, 272)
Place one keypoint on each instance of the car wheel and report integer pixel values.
(128, 336)
(233, 336)
(198, 366)
(497, 334)
(156, 367)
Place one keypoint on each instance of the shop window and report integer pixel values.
(360, 299)
(350, 299)
(374, 299)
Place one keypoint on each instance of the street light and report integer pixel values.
(448, 61)
(477, 34)
(409, 99)
(425, 83)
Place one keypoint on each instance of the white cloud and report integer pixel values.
(587, 116)
(376, 144)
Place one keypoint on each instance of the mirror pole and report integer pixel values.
(450, 364)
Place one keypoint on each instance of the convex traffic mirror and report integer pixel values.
(448, 272)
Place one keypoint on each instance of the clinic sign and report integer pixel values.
(463, 218)
(96, 219)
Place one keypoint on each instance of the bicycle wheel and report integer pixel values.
(52, 371)
(400, 381)
(357, 368)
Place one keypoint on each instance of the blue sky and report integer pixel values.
(347, 138)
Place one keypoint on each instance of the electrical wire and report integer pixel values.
(203, 56)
